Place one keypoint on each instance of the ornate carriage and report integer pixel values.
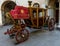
(32, 19)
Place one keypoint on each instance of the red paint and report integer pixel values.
(19, 12)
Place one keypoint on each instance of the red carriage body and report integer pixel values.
(19, 12)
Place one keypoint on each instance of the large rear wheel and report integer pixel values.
(51, 24)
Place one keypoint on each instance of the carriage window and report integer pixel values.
(40, 14)
(34, 13)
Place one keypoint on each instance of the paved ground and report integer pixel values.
(39, 38)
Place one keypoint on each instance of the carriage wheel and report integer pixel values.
(12, 34)
(22, 36)
(51, 24)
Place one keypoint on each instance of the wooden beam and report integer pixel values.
(51, 2)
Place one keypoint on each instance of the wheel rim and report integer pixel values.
(51, 24)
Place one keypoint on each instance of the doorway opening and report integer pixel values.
(57, 11)
(6, 7)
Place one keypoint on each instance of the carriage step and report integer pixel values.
(12, 35)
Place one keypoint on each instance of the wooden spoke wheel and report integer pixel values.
(11, 33)
(22, 36)
(51, 24)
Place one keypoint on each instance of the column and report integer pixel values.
(1, 1)
(59, 15)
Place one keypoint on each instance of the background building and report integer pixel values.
(7, 5)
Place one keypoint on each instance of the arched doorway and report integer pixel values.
(6, 7)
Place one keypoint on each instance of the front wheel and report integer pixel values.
(22, 36)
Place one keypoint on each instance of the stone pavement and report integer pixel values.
(37, 38)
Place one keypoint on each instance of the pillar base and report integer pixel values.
(58, 27)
